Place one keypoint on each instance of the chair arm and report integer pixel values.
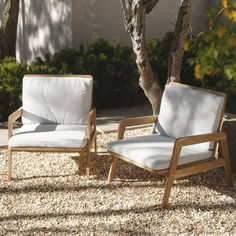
(12, 118)
(129, 122)
(201, 138)
(190, 140)
(91, 124)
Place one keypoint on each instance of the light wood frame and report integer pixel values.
(176, 171)
(84, 152)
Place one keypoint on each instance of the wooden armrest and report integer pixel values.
(12, 118)
(128, 122)
(202, 138)
(195, 139)
(91, 123)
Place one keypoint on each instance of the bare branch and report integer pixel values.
(150, 5)
(126, 6)
(182, 29)
(134, 19)
(8, 28)
(220, 14)
(127, 12)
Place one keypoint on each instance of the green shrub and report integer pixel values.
(213, 53)
(158, 54)
(63, 62)
(112, 67)
(115, 74)
(209, 60)
(11, 74)
(114, 71)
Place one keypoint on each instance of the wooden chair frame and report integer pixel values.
(84, 152)
(176, 171)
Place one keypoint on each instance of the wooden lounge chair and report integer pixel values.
(56, 116)
(186, 138)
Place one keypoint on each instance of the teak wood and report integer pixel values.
(84, 152)
(90, 136)
(176, 171)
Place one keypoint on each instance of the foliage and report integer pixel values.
(214, 51)
(11, 74)
(114, 72)
(112, 67)
(158, 54)
(64, 62)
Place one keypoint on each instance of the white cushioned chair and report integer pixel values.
(57, 116)
(187, 131)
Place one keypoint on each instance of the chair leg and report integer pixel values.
(112, 171)
(168, 185)
(228, 176)
(88, 163)
(95, 143)
(9, 174)
(227, 169)
(78, 161)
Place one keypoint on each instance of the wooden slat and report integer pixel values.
(12, 118)
(199, 89)
(161, 172)
(56, 75)
(202, 138)
(128, 122)
(197, 168)
(47, 149)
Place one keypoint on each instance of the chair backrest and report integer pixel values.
(56, 99)
(187, 110)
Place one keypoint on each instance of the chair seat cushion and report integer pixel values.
(155, 151)
(49, 135)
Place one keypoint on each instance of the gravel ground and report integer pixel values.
(50, 197)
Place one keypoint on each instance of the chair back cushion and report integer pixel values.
(187, 110)
(56, 99)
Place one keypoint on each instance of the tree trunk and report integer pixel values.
(8, 30)
(182, 29)
(134, 19)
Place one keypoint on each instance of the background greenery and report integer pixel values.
(213, 52)
(11, 74)
(112, 67)
(209, 61)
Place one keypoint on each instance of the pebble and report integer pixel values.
(50, 196)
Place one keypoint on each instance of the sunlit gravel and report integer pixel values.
(51, 196)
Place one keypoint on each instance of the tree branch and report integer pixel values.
(8, 29)
(150, 4)
(134, 12)
(127, 12)
(215, 22)
(182, 29)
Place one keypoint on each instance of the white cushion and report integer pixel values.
(186, 111)
(155, 151)
(49, 135)
(56, 99)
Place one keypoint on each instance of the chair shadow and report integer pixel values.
(221, 186)
(129, 173)
(41, 176)
(112, 212)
